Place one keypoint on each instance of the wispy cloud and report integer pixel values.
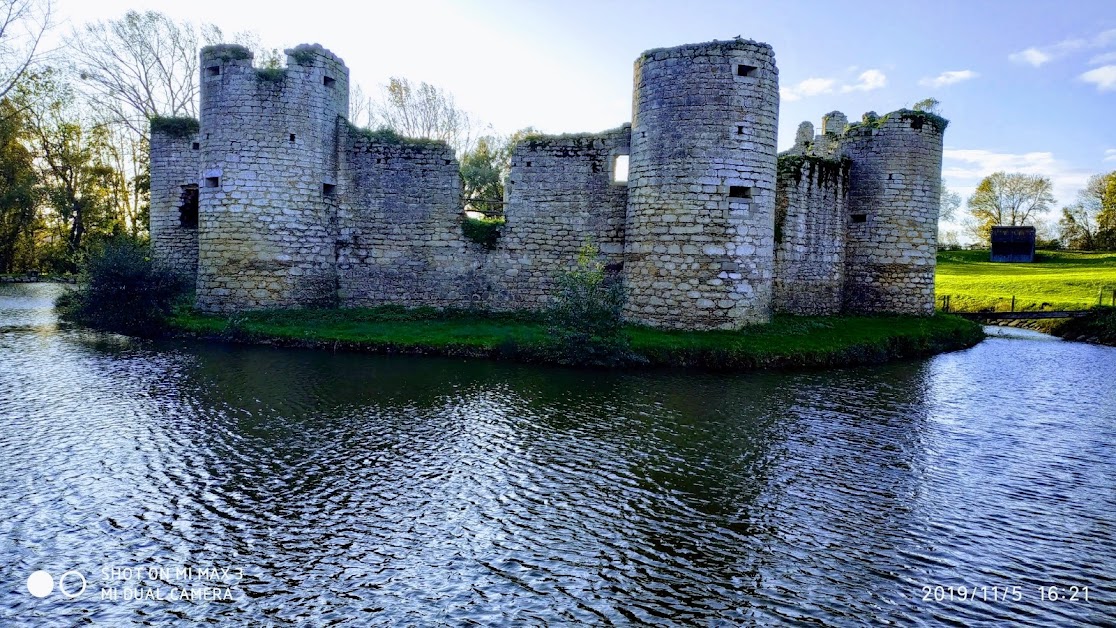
(807, 88)
(1033, 56)
(1103, 77)
(1107, 57)
(1037, 56)
(948, 78)
(1110, 154)
(964, 168)
(815, 86)
(868, 80)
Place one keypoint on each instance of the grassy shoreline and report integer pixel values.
(788, 342)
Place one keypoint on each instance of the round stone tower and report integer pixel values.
(893, 201)
(267, 194)
(699, 247)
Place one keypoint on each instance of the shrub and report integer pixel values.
(483, 231)
(584, 320)
(120, 289)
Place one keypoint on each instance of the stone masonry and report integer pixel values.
(708, 229)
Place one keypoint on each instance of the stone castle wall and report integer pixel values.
(298, 208)
(701, 186)
(269, 162)
(810, 235)
(399, 224)
(893, 203)
(174, 200)
(560, 193)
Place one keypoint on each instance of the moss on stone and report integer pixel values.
(917, 119)
(180, 127)
(483, 231)
(384, 135)
(227, 52)
(271, 75)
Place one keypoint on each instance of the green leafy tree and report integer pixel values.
(585, 318)
(1004, 199)
(482, 175)
(1090, 223)
(18, 191)
(76, 174)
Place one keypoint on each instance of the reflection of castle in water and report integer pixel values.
(277, 201)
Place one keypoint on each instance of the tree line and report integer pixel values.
(74, 127)
(1017, 199)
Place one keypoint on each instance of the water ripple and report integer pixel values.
(357, 490)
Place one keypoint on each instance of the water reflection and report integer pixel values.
(361, 490)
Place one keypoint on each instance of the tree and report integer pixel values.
(483, 177)
(22, 26)
(1090, 223)
(75, 159)
(423, 111)
(950, 203)
(18, 194)
(929, 105)
(1004, 199)
(141, 66)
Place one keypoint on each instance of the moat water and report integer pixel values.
(258, 486)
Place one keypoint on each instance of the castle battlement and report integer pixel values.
(273, 199)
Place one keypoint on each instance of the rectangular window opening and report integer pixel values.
(329, 81)
(740, 191)
(212, 182)
(195, 146)
(860, 217)
(740, 130)
(746, 70)
(620, 169)
(328, 189)
(292, 137)
(213, 70)
(188, 210)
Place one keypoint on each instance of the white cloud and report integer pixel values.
(867, 81)
(807, 88)
(1108, 57)
(964, 168)
(1103, 77)
(1038, 56)
(948, 78)
(1033, 56)
(1110, 154)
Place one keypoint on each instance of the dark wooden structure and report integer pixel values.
(1013, 244)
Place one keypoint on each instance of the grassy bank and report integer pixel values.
(1099, 326)
(786, 342)
(1058, 280)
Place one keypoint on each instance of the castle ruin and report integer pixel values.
(273, 200)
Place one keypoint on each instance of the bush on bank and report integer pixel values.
(121, 289)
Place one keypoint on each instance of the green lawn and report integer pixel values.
(788, 341)
(1057, 280)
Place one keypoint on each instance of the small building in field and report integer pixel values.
(1013, 244)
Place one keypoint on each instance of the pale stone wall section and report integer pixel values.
(560, 194)
(699, 250)
(174, 167)
(810, 236)
(893, 203)
(399, 218)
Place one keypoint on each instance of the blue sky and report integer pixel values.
(1028, 86)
